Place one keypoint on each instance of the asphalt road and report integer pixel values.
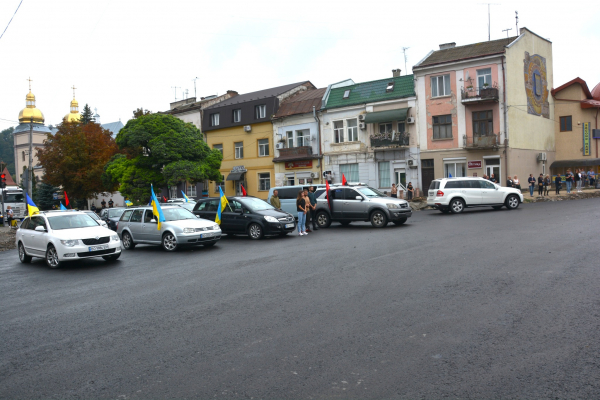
(487, 304)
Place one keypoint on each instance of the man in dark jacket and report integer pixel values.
(313, 207)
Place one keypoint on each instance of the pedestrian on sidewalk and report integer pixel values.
(308, 210)
(592, 177)
(493, 178)
(301, 208)
(313, 207)
(569, 180)
(540, 185)
(9, 215)
(510, 182)
(410, 191)
(274, 200)
(394, 191)
(516, 183)
(531, 181)
(558, 183)
(547, 184)
(578, 180)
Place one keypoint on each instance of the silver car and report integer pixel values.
(181, 228)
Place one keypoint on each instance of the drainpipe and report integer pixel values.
(505, 121)
(319, 139)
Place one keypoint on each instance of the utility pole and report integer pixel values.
(404, 51)
(196, 78)
(175, 87)
(517, 23)
(30, 169)
(2, 166)
(506, 30)
(489, 23)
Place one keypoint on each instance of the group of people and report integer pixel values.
(410, 191)
(306, 205)
(492, 178)
(543, 182)
(579, 179)
(513, 182)
(111, 204)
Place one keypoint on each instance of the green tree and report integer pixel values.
(87, 115)
(140, 112)
(162, 150)
(7, 150)
(43, 197)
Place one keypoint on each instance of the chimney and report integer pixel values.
(396, 72)
(447, 46)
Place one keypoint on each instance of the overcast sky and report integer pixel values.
(124, 54)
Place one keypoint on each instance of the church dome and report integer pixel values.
(73, 115)
(596, 92)
(30, 111)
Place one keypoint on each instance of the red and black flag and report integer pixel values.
(66, 199)
(165, 199)
(344, 181)
(243, 191)
(327, 192)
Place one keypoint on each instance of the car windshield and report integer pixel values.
(93, 215)
(177, 214)
(14, 198)
(115, 212)
(257, 204)
(370, 192)
(72, 221)
(188, 206)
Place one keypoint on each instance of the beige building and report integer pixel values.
(576, 126)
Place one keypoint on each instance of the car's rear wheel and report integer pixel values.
(457, 206)
(23, 257)
(255, 231)
(112, 257)
(379, 219)
(323, 220)
(496, 207)
(512, 202)
(52, 257)
(127, 241)
(169, 242)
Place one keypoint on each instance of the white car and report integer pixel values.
(455, 194)
(60, 236)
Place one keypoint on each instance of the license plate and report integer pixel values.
(289, 225)
(96, 248)
(206, 235)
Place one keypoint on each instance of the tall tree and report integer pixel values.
(43, 197)
(7, 150)
(74, 158)
(160, 149)
(87, 115)
(140, 112)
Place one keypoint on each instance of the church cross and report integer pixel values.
(29, 79)
(73, 90)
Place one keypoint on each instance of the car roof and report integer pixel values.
(230, 198)
(460, 177)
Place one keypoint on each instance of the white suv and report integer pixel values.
(454, 194)
(60, 236)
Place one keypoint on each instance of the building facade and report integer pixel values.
(485, 109)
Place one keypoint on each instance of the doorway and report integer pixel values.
(492, 166)
(400, 178)
(427, 174)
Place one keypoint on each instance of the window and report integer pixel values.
(537, 84)
(401, 127)
(23, 153)
(191, 190)
(566, 124)
(442, 127)
(346, 94)
(214, 119)
(455, 169)
(137, 216)
(303, 137)
(126, 215)
(484, 78)
(390, 87)
(290, 181)
(384, 174)
(148, 216)
(173, 193)
(350, 194)
(338, 131)
(483, 123)
(264, 181)
(263, 147)
(218, 147)
(440, 86)
(352, 125)
(260, 111)
(239, 150)
(350, 171)
(290, 139)
(385, 128)
(237, 115)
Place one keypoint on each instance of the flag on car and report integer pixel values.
(185, 197)
(66, 199)
(128, 203)
(243, 190)
(31, 207)
(156, 210)
(222, 203)
(62, 208)
(327, 194)
(344, 181)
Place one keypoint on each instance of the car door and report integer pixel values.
(233, 218)
(39, 239)
(24, 235)
(149, 230)
(489, 193)
(353, 208)
(135, 224)
(206, 209)
(336, 196)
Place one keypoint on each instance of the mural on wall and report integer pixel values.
(536, 85)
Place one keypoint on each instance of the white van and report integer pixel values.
(289, 194)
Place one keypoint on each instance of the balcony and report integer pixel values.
(482, 142)
(296, 153)
(390, 140)
(477, 95)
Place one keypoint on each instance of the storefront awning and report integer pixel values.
(235, 176)
(387, 116)
(588, 162)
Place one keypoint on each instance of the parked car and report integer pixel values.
(188, 206)
(455, 194)
(181, 228)
(59, 236)
(288, 195)
(111, 216)
(247, 215)
(96, 218)
(360, 203)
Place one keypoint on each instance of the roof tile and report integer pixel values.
(301, 103)
(468, 51)
(368, 92)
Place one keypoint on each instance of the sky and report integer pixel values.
(126, 54)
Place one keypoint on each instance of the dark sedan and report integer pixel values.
(111, 216)
(247, 216)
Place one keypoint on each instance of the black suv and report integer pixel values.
(247, 216)
(111, 216)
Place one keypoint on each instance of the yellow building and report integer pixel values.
(241, 128)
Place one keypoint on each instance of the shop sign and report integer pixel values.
(58, 196)
(586, 138)
(239, 168)
(298, 164)
(474, 164)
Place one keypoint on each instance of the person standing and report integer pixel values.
(410, 191)
(493, 178)
(9, 215)
(313, 207)
(547, 183)
(577, 178)
(591, 176)
(516, 183)
(569, 180)
(308, 210)
(103, 204)
(394, 191)
(540, 185)
(301, 209)
(110, 203)
(274, 200)
(93, 207)
(558, 183)
(531, 181)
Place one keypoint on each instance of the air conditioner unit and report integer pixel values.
(361, 117)
(279, 145)
(412, 163)
(247, 128)
(410, 120)
(541, 157)
(362, 126)
(312, 174)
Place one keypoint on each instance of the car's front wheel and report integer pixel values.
(457, 206)
(255, 231)
(112, 257)
(401, 222)
(512, 202)
(52, 257)
(169, 242)
(23, 257)
(379, 219)
(323, 220)
(127, 241)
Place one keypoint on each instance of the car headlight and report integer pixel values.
(216, 227)
(393, 205)
(189, 230)
(70, 243)
(271, 219)
(115, 238)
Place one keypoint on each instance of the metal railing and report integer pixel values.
(488, 141)
(486, 92)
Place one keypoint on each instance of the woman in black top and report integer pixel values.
(410, 191)
(301, 208)
(540, 184)
(558, 183)
(547, 183)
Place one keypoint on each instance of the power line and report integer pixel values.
(11, 18)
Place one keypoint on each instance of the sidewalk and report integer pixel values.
(563, 194)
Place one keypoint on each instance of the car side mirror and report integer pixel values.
(40, 229)
(197, 216)
(496, 187)
(153, 221)
(359, 198)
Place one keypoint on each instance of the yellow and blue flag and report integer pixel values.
(31, 207)
(222, 204)
(185, 197)
(156, 210)
(128, 203)
(62, 208)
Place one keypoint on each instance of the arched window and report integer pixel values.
(23, 156)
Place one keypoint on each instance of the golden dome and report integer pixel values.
(74, 115)
(30, 111)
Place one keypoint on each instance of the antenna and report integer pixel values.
(517, 19)
(175, 87)
(404, 51)
(506, 30)
(195, 87)
(489, 24)
(186, 94)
